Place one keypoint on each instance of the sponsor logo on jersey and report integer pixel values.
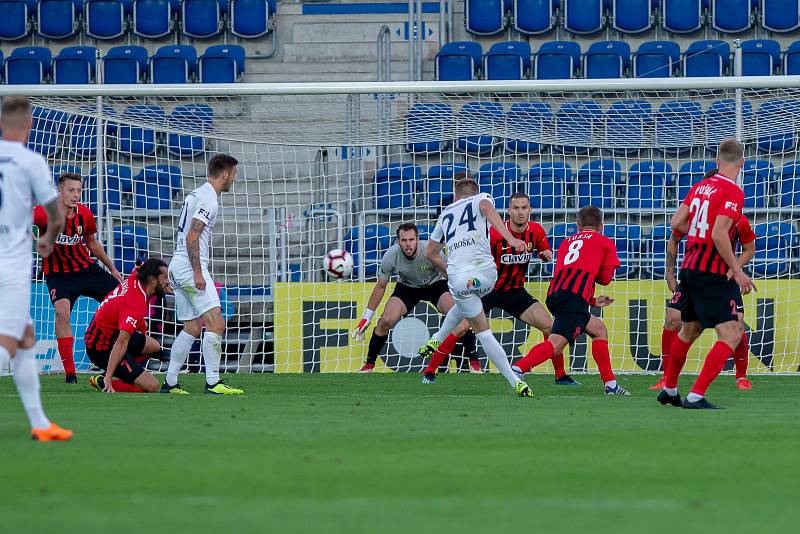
(131, 321)
(512, 259)
(425, 268)
(468, 241)
(473, 283)
(732, 205)
(204, 213)
(68, 240)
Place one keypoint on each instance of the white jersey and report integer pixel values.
(465, 231)
(200, 204)
(24, 175)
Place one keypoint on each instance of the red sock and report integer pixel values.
(65, 352)
(122, 387)
(740, 357)
(715, 362)
(677, 358)
(441, 354)
(540, 353)
(667, 339)
(602, 359)
(558, 365)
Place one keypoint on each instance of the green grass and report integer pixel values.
(381, 453)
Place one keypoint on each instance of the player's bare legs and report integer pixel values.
(672, 324)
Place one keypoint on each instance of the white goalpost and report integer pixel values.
(339, 166)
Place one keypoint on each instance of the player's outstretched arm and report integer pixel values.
(117, 353)
(722, 242)
(680, 220)
(671, 261)
(375, 298)
(433, 252)
(497, 223)
(96, 248)
(193, 250)
(55, 218)
(606, 275)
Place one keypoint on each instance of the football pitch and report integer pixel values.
(384, 454)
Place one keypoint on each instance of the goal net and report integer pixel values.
(339, 166)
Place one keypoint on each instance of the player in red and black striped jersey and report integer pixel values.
(583, 259)
(712, 280)
(70, 272)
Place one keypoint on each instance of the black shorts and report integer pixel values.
(678, 300)
(711, 299)
(128, 369)
(94, 282)
(514, 302)
(570, 314)
(411, 296)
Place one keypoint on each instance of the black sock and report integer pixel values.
(469, 343)
(376, 344)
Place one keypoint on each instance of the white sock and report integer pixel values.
(611, 384)
(693, 397)
(212, 353)
(26, 377)
(177, 356)
(496, 353)
(671, 391)
(5, 357)
(451, 321)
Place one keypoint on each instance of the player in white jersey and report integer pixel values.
(24, 175)
(196, 295)
(471, 270)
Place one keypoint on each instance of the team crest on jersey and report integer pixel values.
(473, 283)
(530, 246)
(80, 229)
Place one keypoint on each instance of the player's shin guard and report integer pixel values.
(441, 354)
(26, 377)
(212, 354)
(740, 356)
(677, 359)
(603, 360)
(540, 353)
(376, 344)
(497, 355)
(177, 356)
(715, 362)
(65, 348)
(667, 339)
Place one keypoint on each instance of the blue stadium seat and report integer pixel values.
(596, 181)
(532, 17)
(28, 65)
(83, 131)
(656, 59)
(732, 16)
(75, 65)
(154, 18)
(682, 16)
(654, 250)
(706, 58)
(117, 183)
(377, 240)
(632, 16)
(475, 123)
(525, 123)
(427, 126)
(790, 185)
(395, 184)
(547, 185)
(151, 196)
(575, 126)
(15, 23)
(791, 59)
(775, 133)
(690, 173)
(628, 238)
(509, 60)
(676, 122)
(58, 19)
(125, 64)
(647, 181)
(440, 183)
(136, 140)
(555, 236)
(721, 121)
(221, 64)
(167, 176)
(173, 64)
(195, 118)
(484, 17)
(607, 59)
(58, 170)
(250, 18)
(757, 176)
(583, 16)
(628, 124)
(106, 19)
(557, 60)
(458, 61)
(48, 130)
(780, 15)
(130, 244)
(501, 180)
(760, 57)
(202, 19)
(776, 248)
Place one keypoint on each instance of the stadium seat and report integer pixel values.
(48, 130)
(173, 64)
(575, 124)
(532, 17)
(689, 174)
(395, 184)
(195, 118)
(525, 124)
(654, 250)
(440, 183)
(607, 59)
(58, 19)
(757, 176)
(646, 184)
(675, 123)
(250, 18)
(682, 16)
(151, 196)
(731, 16)
(377, 240)
(164, 175)
(130, 244)
(75, 65)
(628, 124)
(790, 185)
(775, 133)
(15, 22)
(583, 16)
(106, 19)
(202, 19)
(154, 18)
(780, 15)
(555, 236)
(509, 60)
(596, 181)
(28, 65)
(632, 16)
(427, 127)
(221, 64)
(721, 121)
(83, 131)
(125, 64)
(628, 239)
(484, 17)
(706, 58)
(58, 170)
(547, 185)
(557, 60)
(136, 140)
(776, 248)
(501, 180)
(761, 57)
(117, 183)
(791, 59)
(475, 124)
(458, 61)
(656, 59)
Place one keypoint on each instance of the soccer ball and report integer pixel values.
(338, 264)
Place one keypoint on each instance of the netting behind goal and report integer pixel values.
(324, 171)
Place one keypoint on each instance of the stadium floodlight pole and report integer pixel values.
(737, 71)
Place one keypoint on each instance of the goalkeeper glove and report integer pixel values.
(358, 333)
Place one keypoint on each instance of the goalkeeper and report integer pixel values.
(417, 280)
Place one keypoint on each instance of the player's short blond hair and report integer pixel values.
(730, 151)
(466, 187)
(15, 112)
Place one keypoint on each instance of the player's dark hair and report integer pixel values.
(221, 163)
(711, 172)
(69, 176)
(407, 226)
(590, 216)
(519, 194)
(466, 186)
(151, 267)
(460, 175)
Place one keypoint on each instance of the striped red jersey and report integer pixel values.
(708, 199)
(581, 257)
(744, 233)
(124, 309)
(70, 255)
(512, 267)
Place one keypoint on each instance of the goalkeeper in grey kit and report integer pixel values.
(417, 280)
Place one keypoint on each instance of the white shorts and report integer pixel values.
(190, 303)
(15, 303)
(468, 289)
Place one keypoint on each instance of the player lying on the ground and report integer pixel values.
(417, 280)
(470, 269)
(24, 175)
(117, 340)
(583, 260)
(712, 281)
(509, 293)
(70, 272)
